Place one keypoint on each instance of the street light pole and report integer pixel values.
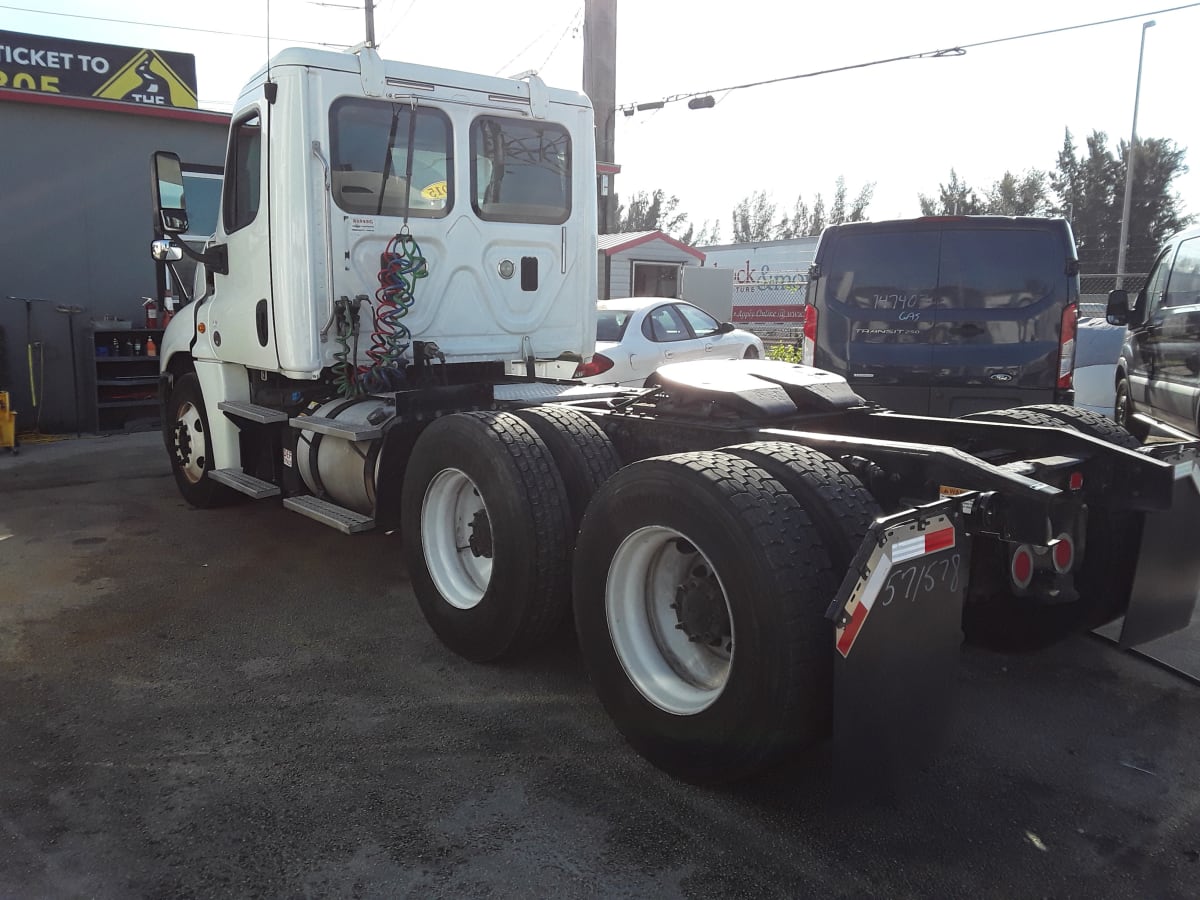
(1129, 159)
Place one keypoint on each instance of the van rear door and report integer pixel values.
(876, 296)
(998, 315)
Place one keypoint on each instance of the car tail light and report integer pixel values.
(809, 347)
(1076, 481)
(1066, 348)
(1020, 569)
(598, 365)
(1063, 553)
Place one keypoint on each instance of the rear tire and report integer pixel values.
(584, 454)
(487, 529)
(188, 446)
(998, 619)
(840, 507)
(679, 557)
(1090, 423)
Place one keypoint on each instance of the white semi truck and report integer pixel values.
(382, 333)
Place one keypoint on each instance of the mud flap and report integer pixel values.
(898, 630)
(1167, 581)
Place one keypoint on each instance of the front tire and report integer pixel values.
(700, 591)
(1123, 411)
(488, 531)
(189, 448)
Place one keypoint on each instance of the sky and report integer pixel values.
(900, 126)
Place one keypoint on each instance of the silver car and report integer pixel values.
(636, 335)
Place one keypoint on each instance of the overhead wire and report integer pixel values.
(957, 50)
(572, 24)
(192, 28)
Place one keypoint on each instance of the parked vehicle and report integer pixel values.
(636, 335)
(1158, 371)
(947, 315)
(403, 250)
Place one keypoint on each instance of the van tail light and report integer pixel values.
(1066, 348)
(809, 347)
(597, 365)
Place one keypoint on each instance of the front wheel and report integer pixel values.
(700, 591)
(189, 446)
(1123, 412)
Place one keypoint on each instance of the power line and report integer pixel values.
(65, 15)
(574, 19)
(960, 50)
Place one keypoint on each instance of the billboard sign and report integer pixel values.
(48, 65)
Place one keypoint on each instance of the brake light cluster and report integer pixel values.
(597, 365)
(1066, 348)
(809, 345)
(1023, 563)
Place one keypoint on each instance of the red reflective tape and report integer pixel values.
(846, 640)
(939, 540)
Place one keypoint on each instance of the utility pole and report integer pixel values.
(370, 10)
(600, 84)
(1129, 160)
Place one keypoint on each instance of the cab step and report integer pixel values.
(344, 520)
(350, 431)
(252, 412)
(252, 487)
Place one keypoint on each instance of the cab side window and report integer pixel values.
(1183, 287)
(1157, 284)
(244, 173)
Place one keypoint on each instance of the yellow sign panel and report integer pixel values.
(147, 79)
(435, 191)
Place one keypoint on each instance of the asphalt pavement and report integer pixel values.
(242, 702)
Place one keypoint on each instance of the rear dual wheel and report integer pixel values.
(700, 589)
(492, 501)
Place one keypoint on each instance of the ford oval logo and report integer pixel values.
(1002, 377)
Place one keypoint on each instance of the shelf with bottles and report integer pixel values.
(126, 377)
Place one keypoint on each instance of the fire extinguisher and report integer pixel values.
(151, 307)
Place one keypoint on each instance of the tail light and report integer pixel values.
(1062, 552)
(1020, 568)
(809, 347)
(597, 365)
(1066, 348)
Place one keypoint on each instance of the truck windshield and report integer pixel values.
(520, 171)
(369, 144)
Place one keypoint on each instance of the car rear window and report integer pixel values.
(1000, 269)
(611, 324)
(979, 269)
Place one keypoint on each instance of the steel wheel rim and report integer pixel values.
(1122, 411)
(674, 673)
(191, 448)
(451, 514)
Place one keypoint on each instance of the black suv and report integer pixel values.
(1158, 371)
(947, 316)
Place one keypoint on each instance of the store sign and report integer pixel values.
(47, 65)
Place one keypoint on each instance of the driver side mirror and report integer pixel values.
(725, 328)
(1117, 312)
(168, 193)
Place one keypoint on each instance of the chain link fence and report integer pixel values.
(1093, 291)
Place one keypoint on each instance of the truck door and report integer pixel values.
(1174, 335)
(1145, 380)
(240, 308)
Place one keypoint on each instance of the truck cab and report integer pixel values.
(331, 156)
